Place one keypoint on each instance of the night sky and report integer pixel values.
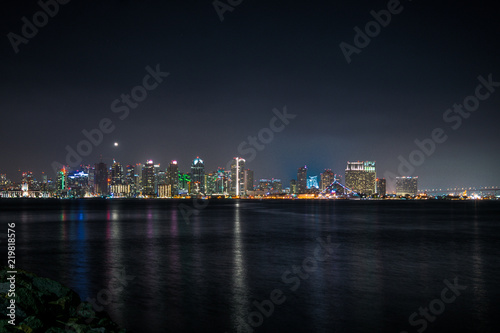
(227, 77)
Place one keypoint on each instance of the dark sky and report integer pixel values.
(226, 78)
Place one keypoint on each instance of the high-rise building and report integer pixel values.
(327, 177)
(360, 177)
(197, 176)
(312, 182)
(62, 180)
(101, 181)
(116, 173)
(148, 179)
(238, 176)
(248, 180)
(381, 187)
(406, 186)
(265, 185)
(223, 181)
(302, 180)
(184, 182)
(173, 177)
(210, 181)
(138, 177)
(293, 186)
(277, 186)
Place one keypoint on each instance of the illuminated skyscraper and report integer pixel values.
(327, 177)
(302, 180)
(197, 176)
(116, 173)
(360, 177)
(248, 180)
(101, 181)
(293, 186)
(238, 176)
(406, 186)
(148, 179)
(312, 182)
(173, 177)
(381, 187)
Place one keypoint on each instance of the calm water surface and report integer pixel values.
(207, 273)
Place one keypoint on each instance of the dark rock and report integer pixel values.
(45, 305)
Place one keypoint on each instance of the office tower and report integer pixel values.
(148, 179)
(265, 185)
(381, 187)
(302, 180)
(173, 177)
(327, 177)
(116, 173)
(293, 186)
(223, 181)
(162, 177)
(238, 176)
(184, 182)
(210, 181)
(62, 180)
(138, 177)
(360, 177)
(277, 186)
(248, 180)
(406, 186)
(101, 182)
(312, 182)
(197, 176)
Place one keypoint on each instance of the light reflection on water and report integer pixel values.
(392, 259)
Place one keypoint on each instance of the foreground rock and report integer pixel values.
(44, 305)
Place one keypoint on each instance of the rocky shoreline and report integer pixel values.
(45, 305)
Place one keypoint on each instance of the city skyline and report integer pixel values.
(197, 85)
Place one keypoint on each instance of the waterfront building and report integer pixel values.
(148, 179)
(197, 176)
(360, 177)
(302, 180)
(381, 187)
(238, 176)
(406, 186)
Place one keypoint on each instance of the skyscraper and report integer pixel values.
(197, 176)
(248, 180)
(312, 182)
(116, 173)
(360, 177)
(302, 180)
(381, 187)
(148, 179)
(327, 177)
(293, 186)
(101, 181)
(406, 186)
(238, 176)
(173, 177)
